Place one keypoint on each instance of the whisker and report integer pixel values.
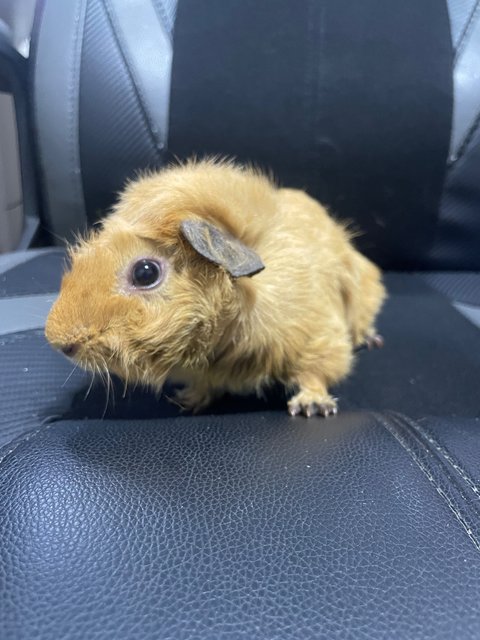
(109, 381)
(55, 235)
(90, 386)
(70, 375)
(107, 386)
(101, 375)
(125, 386)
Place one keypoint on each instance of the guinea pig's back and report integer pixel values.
(313, 267)
(301, 235)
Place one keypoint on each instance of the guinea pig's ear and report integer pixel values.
(221, 248)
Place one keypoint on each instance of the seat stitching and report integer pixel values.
(467, 138)
(447, 456)
(73, 90)
(31, 435)
(136, 85)
(461, 518)
(162, 16)
(466, 29)
(29, 295)
(18, 337)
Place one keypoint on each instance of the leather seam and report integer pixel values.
(467, 138)
(447, 457)
(131, 74)
(18, 337)
(462, 42)
(464, 519)
(28, 295)
(162, 17)
(73, 106)
(30, 435)
(36, 117)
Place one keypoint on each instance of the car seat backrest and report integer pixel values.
(352, 101)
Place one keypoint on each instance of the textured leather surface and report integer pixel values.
(94, 97)
(23, 313)
(28, 285)
(36, 384)
(466, 80)
(118, 134)
(324, 131)
(461, 12)
(418, 360)
(41, 274)
(261, 526)
(334, 96)
(462, 288)
(56, 57)
(458, 234)
(147, 51)
(457, 447)
(457, 286)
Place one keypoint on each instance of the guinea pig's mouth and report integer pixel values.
(108, 363)
(101, 356)
(96, 358)
(99, 361)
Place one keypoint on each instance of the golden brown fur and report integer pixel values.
(296, 322)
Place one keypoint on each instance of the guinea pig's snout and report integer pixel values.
(69, 349)
(71, 341)
(67, 346)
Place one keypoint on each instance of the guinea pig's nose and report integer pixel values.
(69, 349)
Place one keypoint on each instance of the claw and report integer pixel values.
(325, 410)
(294, 409)
(310, 410)
(375, 342)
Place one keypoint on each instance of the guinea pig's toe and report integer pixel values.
(327, 409)
(294, 409)
(191, 399)
(308, 405)
(374, 341)
(310, 410)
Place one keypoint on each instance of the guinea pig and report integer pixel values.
(210, 275)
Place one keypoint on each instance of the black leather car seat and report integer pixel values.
(127, 520)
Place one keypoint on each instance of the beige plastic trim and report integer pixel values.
(11, 205)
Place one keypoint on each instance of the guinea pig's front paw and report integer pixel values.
(310, 403)
(192, 398)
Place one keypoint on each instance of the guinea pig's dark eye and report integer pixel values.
(146, 274)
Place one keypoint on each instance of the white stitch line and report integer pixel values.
(136, 84)
(26, 438)
(73, 92)
(458, 515)
(462, 473)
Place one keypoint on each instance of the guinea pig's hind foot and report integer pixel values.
(310, 403)
(191, 398)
